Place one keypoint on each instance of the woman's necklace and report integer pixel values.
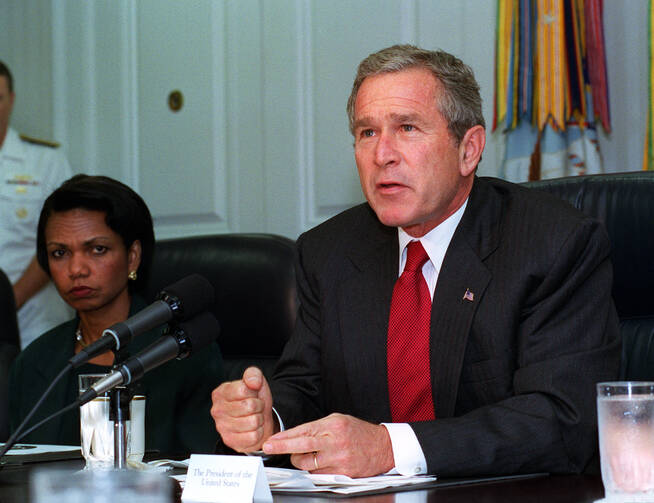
(78, 336)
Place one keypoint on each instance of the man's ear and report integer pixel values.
(470, 149)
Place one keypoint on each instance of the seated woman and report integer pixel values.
(95, 240)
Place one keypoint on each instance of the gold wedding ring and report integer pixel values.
(315, 459)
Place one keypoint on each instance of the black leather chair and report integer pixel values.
(255, 294)
(255, 282)
(9, 347)
(625, 203)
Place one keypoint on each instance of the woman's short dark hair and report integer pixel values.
(125, 213)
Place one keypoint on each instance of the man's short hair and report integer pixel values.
(460, 101)
(4, 72)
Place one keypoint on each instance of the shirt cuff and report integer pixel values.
(407, 453)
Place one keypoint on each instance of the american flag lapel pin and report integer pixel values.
(469, 295)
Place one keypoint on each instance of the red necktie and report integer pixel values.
(409, 378)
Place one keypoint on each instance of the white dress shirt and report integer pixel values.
(407, 453)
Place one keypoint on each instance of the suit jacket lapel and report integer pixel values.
(451, 318)
(462, 282)
(364, 310)
(364, 319)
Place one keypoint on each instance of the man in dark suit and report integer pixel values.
(498, 375)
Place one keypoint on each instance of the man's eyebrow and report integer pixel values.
(395, 117)
(401, 118)
(362, 122)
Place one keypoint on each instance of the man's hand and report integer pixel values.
(242, 411)
(341, 444)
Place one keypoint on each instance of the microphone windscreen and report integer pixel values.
(199, 331)
(194, 293)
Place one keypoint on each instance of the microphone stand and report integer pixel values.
(119, 400)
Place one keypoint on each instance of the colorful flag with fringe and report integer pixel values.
(550, 86)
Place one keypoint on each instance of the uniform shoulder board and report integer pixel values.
(38, 141)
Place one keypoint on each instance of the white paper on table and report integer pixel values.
(32, 453)
(169, 463)
(20, 449)
(286, 479)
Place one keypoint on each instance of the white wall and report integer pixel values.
(261, 144)
(625, 32)
(26, 47)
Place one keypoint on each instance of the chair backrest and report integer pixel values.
(9, 347)
(255, 293)
(624, 202)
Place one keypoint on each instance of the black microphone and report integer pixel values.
(179, 301)
(179, 341)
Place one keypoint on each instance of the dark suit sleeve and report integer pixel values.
(566, 341)
(297, 381)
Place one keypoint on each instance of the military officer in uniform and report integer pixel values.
(29, 171)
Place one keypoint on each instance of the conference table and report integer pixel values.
(14, 488)
(549, 489)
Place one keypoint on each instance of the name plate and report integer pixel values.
(226, 479)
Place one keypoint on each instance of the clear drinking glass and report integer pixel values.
(136, 430)
(97, 431)
(625, 415)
